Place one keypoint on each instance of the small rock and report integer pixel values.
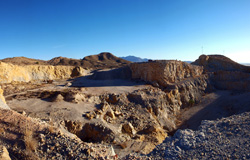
(68, 84)
(128, 128)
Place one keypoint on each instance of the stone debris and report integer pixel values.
(128, 128)
(226, 138)
(135, 121)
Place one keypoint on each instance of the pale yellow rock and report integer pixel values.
(4, 154)
(164, 72)
(11, 73)
(1, 96)
(3, 104)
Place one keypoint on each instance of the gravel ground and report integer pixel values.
(225, 138)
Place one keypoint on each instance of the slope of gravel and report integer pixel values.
(226, 138)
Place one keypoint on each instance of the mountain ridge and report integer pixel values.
(99, 61)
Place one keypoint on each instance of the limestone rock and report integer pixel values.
(164, 72)
(111, 113)
(128, 128)
(2, 101)
(1, 95)
(225, 73)
(4, 154)
(11, 73)
(74, 97)
(58, 98)
(76, 72)
(68, 84)
(219, 62)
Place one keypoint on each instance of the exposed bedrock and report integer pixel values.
(177, 78)
(181, 79)
(226, 74)
(14, 73)
(164, 72)
(219, 62)
(3, 104)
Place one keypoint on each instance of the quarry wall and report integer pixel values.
(164, 72)
(11, 73)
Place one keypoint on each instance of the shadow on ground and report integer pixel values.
(114, 77)
(226, 104)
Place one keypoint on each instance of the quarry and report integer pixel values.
(104, 107)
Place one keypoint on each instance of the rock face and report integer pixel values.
(232, 80)
(190, 91)
(4, 154)
(164, 72)
(11, 73)
(227, 74)
(2, 101)
(1, 95)
(219, 62)
(178, 79)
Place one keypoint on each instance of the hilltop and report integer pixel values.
(220, 62)
(24, 61)
(99, 61)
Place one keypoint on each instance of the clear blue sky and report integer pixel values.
(157, 29)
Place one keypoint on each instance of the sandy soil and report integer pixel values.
(66, 110)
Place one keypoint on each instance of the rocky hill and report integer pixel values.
(226, 74)
(104, 60)
(99, 61)
(24, 61)
(220, 62)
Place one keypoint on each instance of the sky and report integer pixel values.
(155, 29)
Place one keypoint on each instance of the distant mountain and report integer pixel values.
(135, 59)
(99, 61)
(246, 64)
(188, 61)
